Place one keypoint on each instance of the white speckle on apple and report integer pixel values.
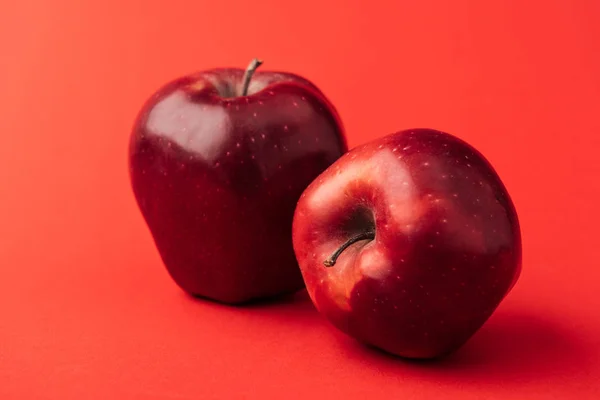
(295, 104)
(395, 149)
(395, 307)
(253, 156)
(402, 260)
(353, 156)
(444, 176)
(430, 246)
(228, 153)
(426, 164)
(285, 148)
(299, 141)
(492, 267)
(143, 172)
(406, 148)
(238, 145)
(275, 146)
(237, 107)
(285, 128)
(317, 139)
(380, 146)
(217, 164)
(454, 194)
(262, 136)
(466, 157)
(445, 221)
(260, 102)
(252, 139)
(254, 115)
(468, 165)
(271, 93)
(454, 269)
(405, 183)
(303, 98)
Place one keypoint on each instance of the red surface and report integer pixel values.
(86, 308)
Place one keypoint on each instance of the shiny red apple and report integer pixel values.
(408, 243)
(218, 161)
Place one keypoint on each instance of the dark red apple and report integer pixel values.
(218, 161)
(408, 243)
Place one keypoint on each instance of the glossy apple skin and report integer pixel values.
(447, 246)
(217, 177)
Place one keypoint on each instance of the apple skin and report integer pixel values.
(446, 249)
(217, 176)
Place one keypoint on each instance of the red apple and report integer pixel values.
(408, 243)
(218, 161)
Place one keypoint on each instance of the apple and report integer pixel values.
(218, 160)
(408, 243)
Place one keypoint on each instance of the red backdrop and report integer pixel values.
(87, 309)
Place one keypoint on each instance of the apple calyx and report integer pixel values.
(330, 262)
(254, 64)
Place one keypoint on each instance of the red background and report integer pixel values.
(87, 309)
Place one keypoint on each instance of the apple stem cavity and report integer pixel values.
(330, 262)
(254, 64)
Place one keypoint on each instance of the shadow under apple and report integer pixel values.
(512, 347)
(288, 308)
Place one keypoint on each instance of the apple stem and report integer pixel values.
(330, 262)
(254, 64)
